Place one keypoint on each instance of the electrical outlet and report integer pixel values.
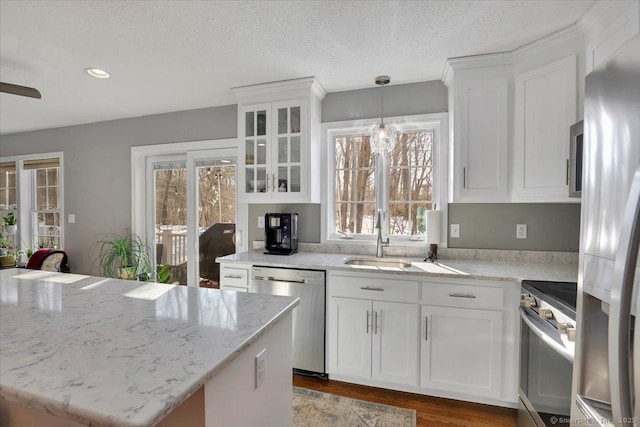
(260, 368)
(455, 231)
(521, 231)
(261, 221)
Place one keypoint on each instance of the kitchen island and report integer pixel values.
(80, 350)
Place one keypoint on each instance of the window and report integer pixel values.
(31, 187)
(46, 207)
(403, 184)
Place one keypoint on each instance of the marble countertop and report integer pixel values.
(512, 269)
(119, 353)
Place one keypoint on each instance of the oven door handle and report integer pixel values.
(531, 323)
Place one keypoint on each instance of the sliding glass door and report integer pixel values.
(193, 208)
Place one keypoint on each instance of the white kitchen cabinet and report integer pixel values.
(374, 339)
(372, 327)
(545, 108)
(349, 335)
(235, 276)
(279, 135)
(480, 143)
(461, 350)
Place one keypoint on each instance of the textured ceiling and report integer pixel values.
(178, 55)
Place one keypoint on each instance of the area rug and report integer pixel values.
(316, 409)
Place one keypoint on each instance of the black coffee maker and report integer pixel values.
(281, 233)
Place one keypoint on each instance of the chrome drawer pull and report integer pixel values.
(369, 288)
(232, 277)
(456, 295)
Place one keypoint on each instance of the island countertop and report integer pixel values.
(542, 267)
(119, 353)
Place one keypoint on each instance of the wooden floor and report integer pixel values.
(431, 411)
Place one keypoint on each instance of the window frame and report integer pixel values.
(437, 121)
(26, 193)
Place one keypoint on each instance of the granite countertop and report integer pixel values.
(497, 268)
(119, 353)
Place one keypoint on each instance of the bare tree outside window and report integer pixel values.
(47, 208)
(410, 183)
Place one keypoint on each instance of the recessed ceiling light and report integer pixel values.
(97, 73)
(225, 161)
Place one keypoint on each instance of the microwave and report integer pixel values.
(574, 169)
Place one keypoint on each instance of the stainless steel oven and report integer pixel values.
(547, 328)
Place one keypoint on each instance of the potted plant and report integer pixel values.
(7, 257)
(124, 256)
(9, 223)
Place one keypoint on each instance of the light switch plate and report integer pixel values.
(71, 218)
(261, 221)
(521, 231)
(455, 231)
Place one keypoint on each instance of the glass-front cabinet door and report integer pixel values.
(256, 159)
(273, 152)
(288, 158)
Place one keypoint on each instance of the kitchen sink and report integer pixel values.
(377, 262)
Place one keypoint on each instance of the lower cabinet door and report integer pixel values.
(349, 333)
(461, 350)
(395, 342)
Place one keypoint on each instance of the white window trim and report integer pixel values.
(23, 204)
(438, 121)
(142, 159)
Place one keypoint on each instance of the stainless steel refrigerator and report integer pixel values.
(607, 366)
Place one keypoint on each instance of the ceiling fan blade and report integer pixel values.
(20, 90)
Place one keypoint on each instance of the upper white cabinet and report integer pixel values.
(480, 143)
(279, 133)
(511, 114)
(545, 108)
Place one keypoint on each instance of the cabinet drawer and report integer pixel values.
(375, 289)
(464, 296)
(235, 277)
(233, 288)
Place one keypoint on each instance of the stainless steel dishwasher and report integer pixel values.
(308, 316)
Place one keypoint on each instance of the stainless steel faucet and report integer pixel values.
(379, 243)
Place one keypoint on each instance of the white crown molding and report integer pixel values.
(305, 83)
(602, 14)
(507, 58)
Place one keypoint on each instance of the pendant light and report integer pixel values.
(382, 135)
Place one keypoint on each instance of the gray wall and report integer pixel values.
(550, 226)
(308, 220)
(400, 100)
(97, 165)
(97, 156)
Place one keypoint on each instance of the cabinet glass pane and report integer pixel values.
(282, 179)
(282, 149)
(249, 152)
(294, 176)
(248, 124)
(260, 184)
(249, 175)
(262, 123)
(295, 119)
(262, 152)
(282, 121)
(295, 149)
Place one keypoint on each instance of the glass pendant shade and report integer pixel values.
(382, 138)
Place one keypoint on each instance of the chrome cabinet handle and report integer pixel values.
(464, 177)
(568, 171)
(231, 276)
(426, 328)
(367, 321)
(460, 295)
(369, 288)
